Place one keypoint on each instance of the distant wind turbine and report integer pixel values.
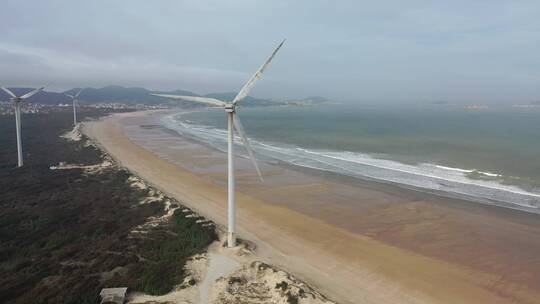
(233, 121)
(17, 102)
(74, 100)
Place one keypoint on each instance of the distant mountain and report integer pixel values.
(315, 99)
(308, 101)
(134, 95)
(109, 94)
(137, 95)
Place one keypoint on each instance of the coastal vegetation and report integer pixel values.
(68, 232)
(166, 250)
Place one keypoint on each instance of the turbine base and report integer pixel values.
(231, 239)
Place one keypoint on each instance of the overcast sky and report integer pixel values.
(346, 50)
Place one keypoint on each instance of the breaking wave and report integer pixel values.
(425, 176)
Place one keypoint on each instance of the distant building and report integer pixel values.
(113, 295)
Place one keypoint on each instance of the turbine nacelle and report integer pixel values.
(229, 107)
(74, 97)
(18, 99)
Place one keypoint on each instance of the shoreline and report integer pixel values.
(374, 182)
(346, 266)
(213, 274)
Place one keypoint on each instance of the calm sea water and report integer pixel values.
(489, 155)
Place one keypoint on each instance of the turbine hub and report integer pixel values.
(229, 108)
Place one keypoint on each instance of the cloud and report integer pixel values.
(345, 50)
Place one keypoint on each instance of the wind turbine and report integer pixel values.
(17, 102)
(74, 100)
(233, 122)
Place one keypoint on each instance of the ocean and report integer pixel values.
(485, 155)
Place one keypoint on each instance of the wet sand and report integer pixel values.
(359, 242)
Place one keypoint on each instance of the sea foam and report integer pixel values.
(424, 176)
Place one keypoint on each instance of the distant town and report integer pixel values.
(6, 108)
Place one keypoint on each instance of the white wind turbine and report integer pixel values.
(233, 121)
(74, 100)
(17, 102)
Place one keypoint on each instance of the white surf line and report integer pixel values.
(501, 188)
(468, 171)
(426, 175)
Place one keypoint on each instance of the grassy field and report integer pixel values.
(63, 232)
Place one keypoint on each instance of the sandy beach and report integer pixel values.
(355, 241)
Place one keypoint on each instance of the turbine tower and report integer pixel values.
(233, 122)
(17, 102)
(74, 100)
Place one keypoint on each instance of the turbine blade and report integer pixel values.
(8, 92)
(79, 93)
(70, 96)
(32, 93)
(251, 82)
(205, 100)
(240, 129)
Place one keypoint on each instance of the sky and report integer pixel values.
(477, 51)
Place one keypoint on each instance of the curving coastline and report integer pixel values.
(357, 242)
